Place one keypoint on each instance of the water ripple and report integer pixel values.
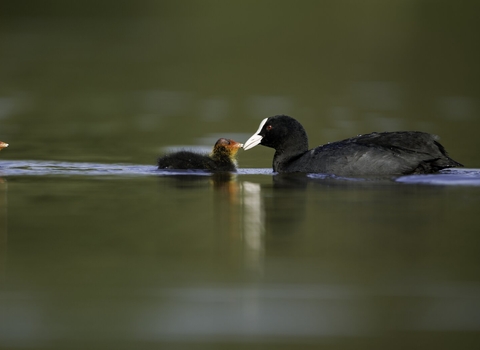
(457, 177)
(36, 167)
(470, 177)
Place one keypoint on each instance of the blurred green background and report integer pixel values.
(116, 81)
(254, 260)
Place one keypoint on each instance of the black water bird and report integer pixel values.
(222, 158)
(385, 153)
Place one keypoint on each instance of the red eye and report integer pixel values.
(269, 127)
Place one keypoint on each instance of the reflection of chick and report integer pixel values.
(3, 145)
(222, 158)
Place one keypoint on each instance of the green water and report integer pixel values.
(136, 260)
(144, 262)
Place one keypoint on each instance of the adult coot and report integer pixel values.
(3, 145)
(222, 158)
(386, 153)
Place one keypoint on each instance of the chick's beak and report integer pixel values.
(234, 146)
(3, 145)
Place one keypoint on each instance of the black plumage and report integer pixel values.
(385, 153)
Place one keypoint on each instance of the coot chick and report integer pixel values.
(222, 158)
(386, 153)
(3, 145)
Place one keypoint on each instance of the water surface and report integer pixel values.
(122, 255)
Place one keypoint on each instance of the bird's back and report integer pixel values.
(185, 160)
(388, 153)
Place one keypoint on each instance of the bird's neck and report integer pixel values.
(290, 151)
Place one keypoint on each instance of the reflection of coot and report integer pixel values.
(3, 145)
(285, 210)
(386, 153)
(222, 158)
